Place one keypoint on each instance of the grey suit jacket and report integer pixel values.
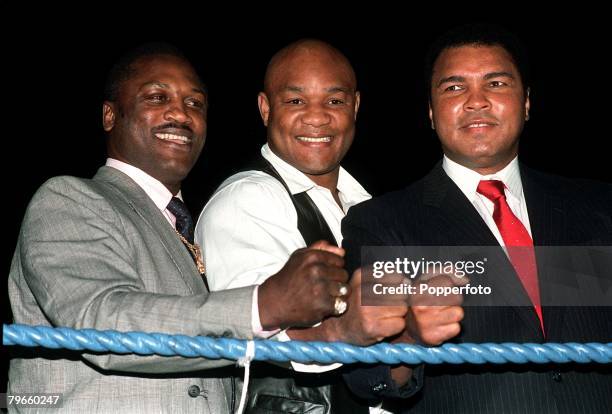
(99, 254)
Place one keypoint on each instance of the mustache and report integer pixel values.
(172, 125)
(485, 119)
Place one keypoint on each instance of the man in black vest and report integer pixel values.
(481, 195)
(297, 195)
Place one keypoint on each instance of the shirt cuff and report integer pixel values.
(314, 367)
(258, 330)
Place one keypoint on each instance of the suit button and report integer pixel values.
(193, 391)
(556, 376)
(380, 387)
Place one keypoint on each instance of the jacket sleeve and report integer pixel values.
(374, 383)
(361, 227)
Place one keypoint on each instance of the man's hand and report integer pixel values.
(366, 325)
(304, 291)
(433, 320)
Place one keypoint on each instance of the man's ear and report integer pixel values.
(357, 102)
(527, 104)
(108, 115)
(433, 125)
(264, 107)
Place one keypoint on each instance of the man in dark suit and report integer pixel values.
(480, 195)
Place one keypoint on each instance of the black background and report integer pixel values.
(56, 70)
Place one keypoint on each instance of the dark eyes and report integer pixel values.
(453, 88)
(294, 101)
(161, 99)
(196, 103)
(156, 98)
(298, 101)
(492, 84)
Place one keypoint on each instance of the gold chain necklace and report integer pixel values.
(195, 251)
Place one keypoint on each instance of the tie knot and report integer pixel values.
(178, 208)
(491, 189)
(184, 222)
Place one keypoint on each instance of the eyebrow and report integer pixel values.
(339, 89)
(166, 86)
(156, 84)
(199, 90)
(499, 75)
(488, 76)
(332, 89)
(451, 79)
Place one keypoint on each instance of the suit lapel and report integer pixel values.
(144, 207)
(547, 218)
(545, 208)
(464, 226)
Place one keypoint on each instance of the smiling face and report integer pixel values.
(158, 122)
(310, 106)
(478, 106)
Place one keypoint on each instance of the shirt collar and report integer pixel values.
(156, 191)
(350, 191)
(467, 180)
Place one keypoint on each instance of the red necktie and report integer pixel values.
(515, 235)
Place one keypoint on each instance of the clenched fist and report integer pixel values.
(304, 291)
(366, 325)
(434, 324)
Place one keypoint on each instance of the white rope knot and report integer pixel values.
(245, 362)
(248, 356)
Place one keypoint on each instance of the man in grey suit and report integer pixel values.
(117, 252)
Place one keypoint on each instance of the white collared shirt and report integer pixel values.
(248, 229)
(467, 180)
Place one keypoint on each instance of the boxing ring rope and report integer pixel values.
(142, 343)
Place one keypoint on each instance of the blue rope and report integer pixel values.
(323, 352)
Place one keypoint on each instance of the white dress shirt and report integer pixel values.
(467, 180)
(249, 229)
(161, 196)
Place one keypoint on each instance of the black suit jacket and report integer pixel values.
(434, 211)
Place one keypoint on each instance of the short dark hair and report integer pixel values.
(479, 34)
(123, 69)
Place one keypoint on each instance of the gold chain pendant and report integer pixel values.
(195, 251)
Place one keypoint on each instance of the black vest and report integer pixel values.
(274, 389)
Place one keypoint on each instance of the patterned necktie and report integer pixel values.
(184, 222)
(517, 240)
